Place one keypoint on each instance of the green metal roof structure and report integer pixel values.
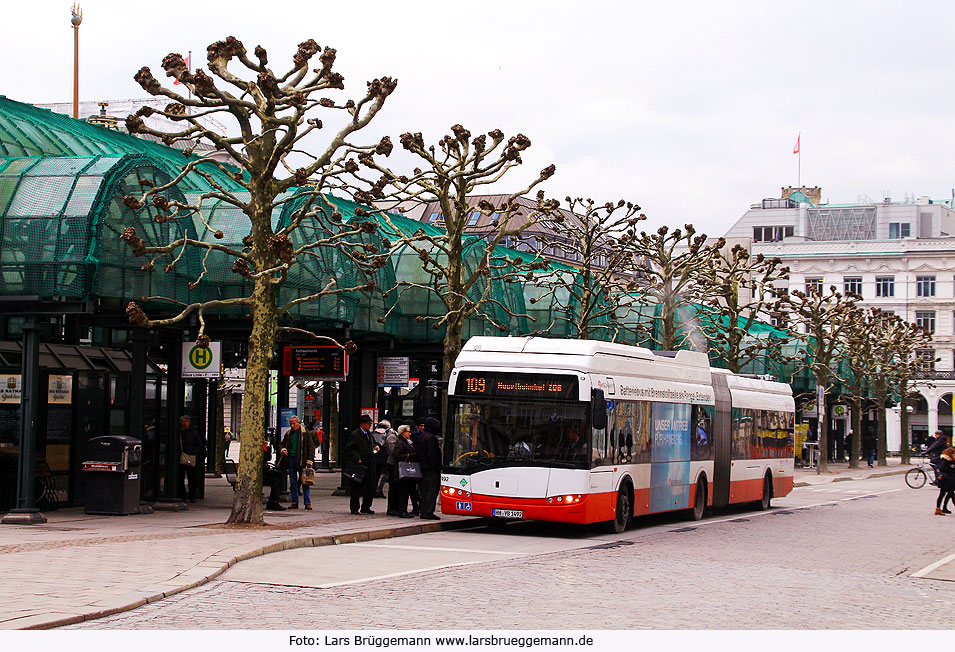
(26, 130)
(62, 183)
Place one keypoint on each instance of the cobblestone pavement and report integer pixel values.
(844, 563)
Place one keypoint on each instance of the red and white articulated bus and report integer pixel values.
(586, 432)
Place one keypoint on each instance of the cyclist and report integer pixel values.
(934, 451)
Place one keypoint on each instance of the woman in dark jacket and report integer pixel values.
(404, 452)
(946, 481)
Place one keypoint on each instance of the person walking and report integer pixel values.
(361, 450)
(190, 443)
(298, 448)
(429, 454)
(869, 446)
(946, 481)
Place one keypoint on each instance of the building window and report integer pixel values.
(925, 286)
(435, 217)
(925, 359)
(898, 230)
(925, 319)
(772, 233)
(852, 284)
(475, 216)
(813, 286)
(885, 286)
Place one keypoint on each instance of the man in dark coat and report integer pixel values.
(191, 443)
(429, 454)
(298, 448)
(361, 450)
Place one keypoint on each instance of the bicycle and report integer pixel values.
(917, 477)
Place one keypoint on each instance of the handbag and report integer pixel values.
(409, 471)
(355, 472)
(308, 476)
(185, 458)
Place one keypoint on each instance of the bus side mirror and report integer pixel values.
(599, 417)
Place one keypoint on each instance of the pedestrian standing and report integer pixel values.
(391, 469)
(192, 444)
(382, 432)
(402, 487)
(361, 450)
(429, 454)
(298, 449)
(946, 481)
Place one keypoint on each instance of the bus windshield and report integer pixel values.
(518, 433)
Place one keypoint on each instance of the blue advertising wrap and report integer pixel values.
(670, 457)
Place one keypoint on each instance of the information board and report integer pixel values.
(392, 371)
(318, 362)
(516, 385)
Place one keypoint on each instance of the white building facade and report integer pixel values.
(898, 256)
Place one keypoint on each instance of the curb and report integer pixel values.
(214, 565)
(882, 474)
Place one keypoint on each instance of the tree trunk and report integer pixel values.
(881, 394)
(247, 502)
(903, 425)
(823, 421)
(856, 448)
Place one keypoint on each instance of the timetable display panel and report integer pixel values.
(508, 384)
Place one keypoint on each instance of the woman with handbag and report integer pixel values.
(190, 453)
(405, 467)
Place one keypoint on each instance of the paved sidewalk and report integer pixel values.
(840, 471)
(78, 567)
(52, 577)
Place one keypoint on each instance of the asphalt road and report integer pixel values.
(834, 556)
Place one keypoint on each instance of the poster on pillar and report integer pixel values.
(9, 388)
(199, 362)
(59, 389)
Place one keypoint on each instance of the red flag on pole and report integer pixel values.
(176, 81)
(796, 148)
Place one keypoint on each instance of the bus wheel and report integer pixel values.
(767, 498)
(624, 510)
(699, 501)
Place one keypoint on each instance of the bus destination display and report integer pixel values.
(326, 362)
(501, 384)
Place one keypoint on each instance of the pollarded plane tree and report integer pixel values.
(595, 298)
(673, 264)
(821, 321)
(272, 113)
(860, 360)
(901, 349)
(451, 171)
(739, 295)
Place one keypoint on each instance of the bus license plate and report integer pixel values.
(508, 513)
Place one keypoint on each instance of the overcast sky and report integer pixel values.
(690, 109)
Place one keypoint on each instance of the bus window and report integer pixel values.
(702, 440)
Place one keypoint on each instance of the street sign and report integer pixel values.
(315, 362)
(199, 362)
(393, 371)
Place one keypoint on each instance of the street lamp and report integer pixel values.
(76, 20)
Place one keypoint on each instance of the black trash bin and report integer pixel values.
(112, 475)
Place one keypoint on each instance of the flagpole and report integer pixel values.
(799, 161)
